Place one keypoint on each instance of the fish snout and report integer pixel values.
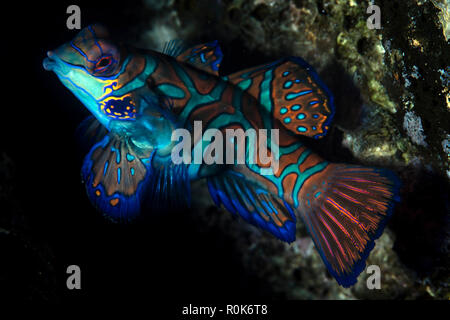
(49, 62)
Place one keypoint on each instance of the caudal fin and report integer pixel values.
(345, 208)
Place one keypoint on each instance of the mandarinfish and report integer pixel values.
(138, 98)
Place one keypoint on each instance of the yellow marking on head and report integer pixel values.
(98, 193)
(114, 202)
(105, 103)
(109, 85)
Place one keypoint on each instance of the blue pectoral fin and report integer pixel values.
(116, 178)
(252, 203)
(122, 180)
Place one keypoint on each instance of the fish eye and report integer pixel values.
(103, 63)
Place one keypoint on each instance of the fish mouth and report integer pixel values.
(49, 63)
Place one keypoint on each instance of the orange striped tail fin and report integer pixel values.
(345, 209)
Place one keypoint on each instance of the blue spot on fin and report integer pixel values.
(122, 190)
(206, 57)
(301, 88)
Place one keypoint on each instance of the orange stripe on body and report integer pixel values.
(251, 111)
(311, 160)
(203, 86)
(288, 159)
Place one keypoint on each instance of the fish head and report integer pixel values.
(89, 66)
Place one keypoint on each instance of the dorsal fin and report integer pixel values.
(292, 91)
(175, 47)
(206, 57)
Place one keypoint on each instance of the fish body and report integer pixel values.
(139, 98)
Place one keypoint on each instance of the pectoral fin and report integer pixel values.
(116, 178)
(123, 180)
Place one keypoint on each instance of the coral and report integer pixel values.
(446, 145)
(413, 126)
(446, 148)
(417, 58)
(444, 16)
